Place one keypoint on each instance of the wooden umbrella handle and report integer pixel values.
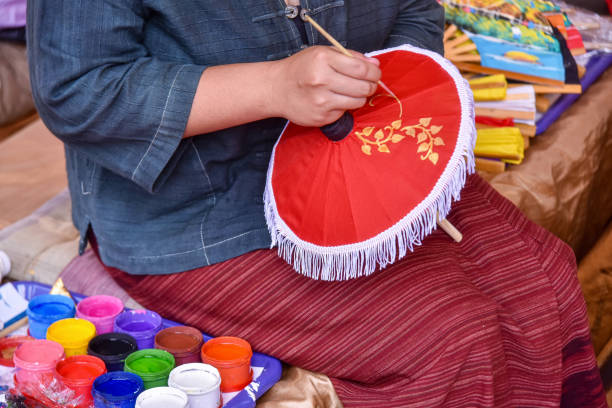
(450, 230)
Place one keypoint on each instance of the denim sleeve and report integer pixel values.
(100, 91)
(419, 23)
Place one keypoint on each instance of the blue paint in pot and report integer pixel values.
(44, 310)
(116, 389)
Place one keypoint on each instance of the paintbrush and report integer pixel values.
(340, 48)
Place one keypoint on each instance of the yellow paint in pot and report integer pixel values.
(73, 334)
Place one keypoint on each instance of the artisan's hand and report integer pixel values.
(316, 85)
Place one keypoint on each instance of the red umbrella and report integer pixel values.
(340, 209)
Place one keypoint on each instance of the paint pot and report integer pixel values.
(183, 342)
(78, 373)
(35, 361)
(101, 310)
(116, 390)
(46, 309)
(8, 345)
(73, 334)
(232, 357)
(113, 349)
(143, 325)
(152, 365)
(201, 383)
(163, 397)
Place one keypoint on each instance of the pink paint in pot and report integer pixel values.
(78, 373)
(101, 310)
(35, 361)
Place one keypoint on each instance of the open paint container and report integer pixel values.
(116, 390)
(201, 383)
(183, 342)
(78, 373)
(143, 325)
(8, 346)
(44, 310)
(101, 310)
(232, 357)
(152, 365)
(163, 397)
(35, 361)
(73, 334)
(113, 349)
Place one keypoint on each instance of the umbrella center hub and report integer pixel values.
(339, 129)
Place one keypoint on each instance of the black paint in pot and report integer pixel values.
(113, 349)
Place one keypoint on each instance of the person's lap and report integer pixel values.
(486, 317)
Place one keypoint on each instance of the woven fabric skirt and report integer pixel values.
(497, 320)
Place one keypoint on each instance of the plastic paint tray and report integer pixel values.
(266, 370)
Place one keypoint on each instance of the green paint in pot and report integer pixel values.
(152, 365)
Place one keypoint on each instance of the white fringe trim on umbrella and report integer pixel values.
(361, 259)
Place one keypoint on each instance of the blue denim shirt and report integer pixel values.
(115, 80)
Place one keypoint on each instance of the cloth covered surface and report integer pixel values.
(15, 92)
(563, 183)
(595, 275)
(496, 320)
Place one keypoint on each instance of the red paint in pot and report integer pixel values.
(183, 342)
(232, 357)
(78, 373)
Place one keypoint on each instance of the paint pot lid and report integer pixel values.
(179, 340)
(71, 332)
(112, 347)
(118, 386)
(80, 369)
(162, 397)
(8, 346)
(100, 306)
(226, 352)
(195, 378)
(38, 355)
(50, 308)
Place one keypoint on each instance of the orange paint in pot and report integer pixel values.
(78, 373)
(232, 357)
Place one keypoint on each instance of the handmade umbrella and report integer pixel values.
(340, 209)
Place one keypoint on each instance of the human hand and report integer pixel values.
(317, 85)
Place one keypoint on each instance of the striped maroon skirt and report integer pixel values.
(495, 321)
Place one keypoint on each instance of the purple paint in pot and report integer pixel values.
(143, 325)
(101, 310)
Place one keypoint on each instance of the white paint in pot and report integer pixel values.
(162, 397)
(201, 382)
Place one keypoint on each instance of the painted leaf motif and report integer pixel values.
(397, 124)
(422, 137)
(438, 141)
(409, 131)
(433, 158)
(396, 138)
(367, 149)
(425, 121)
(379, 135)
(423, 147)
(368, 130)
(435, 129)
(383, 148)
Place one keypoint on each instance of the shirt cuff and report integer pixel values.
(159, 159)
